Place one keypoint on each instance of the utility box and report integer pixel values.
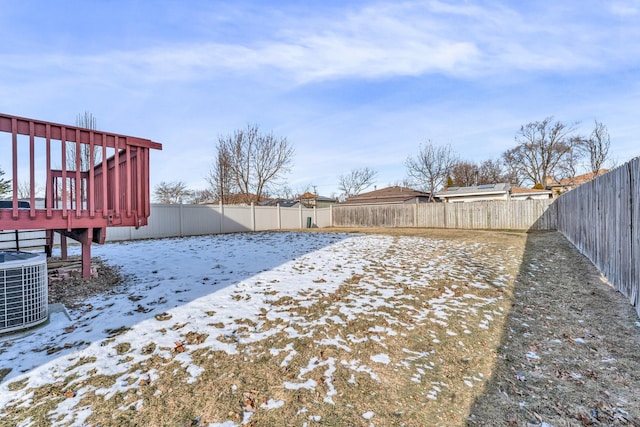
(23, 290)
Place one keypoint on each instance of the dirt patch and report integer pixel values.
(66, 285)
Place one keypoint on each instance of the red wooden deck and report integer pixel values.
(82, 197)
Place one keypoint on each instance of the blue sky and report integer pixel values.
(350, 84)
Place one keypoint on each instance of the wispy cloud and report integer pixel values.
(629, 8)
(368, 79)
(378, 41)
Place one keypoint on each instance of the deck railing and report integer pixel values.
(72, 162)
(92, 179)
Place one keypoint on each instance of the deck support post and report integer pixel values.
(85, 237)
(48, 247)
(63, 246)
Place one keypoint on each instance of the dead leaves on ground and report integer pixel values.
(194, 338)
(163, 316)
(179, 347)
(249, 400)
(191, 338)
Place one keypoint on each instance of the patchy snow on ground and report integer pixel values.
(211, 282)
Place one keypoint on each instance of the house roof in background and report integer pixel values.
(284, 203)
(310, 196)
(395, 194)
(581, 179)
(483, 189)
(530, 191)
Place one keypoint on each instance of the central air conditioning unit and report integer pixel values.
(24, 290)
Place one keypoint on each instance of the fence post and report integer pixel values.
(279, 216)
(315, 216)
(330, 215)
(300, 209)
(221, 217)
(252, 212)
(180, 218)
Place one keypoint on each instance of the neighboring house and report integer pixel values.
(489, 192)
(567, 184)
(311, 200)
(389, 195)
(519, 193)
(475, 193)
(283, 203)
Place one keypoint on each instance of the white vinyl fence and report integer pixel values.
(194, 220)
(191, 220)
(22, 240)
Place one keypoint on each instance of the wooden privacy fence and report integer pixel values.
(601, 218)
(490, 215)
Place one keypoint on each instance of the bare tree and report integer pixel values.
(512, 171)
(542, 147)
(405, 182)
(568, 168)
(88, 121)
(24, 190)
(252, 161)
(272, 156)
(5, 184)
(491, 171)
(288, 193)
(220, 180)
(431, 166)
(464, 174)
(201, 196)
(171, 192)
(356, 181)
(597, 147)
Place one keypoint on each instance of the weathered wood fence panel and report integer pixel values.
(374, 216)
(601, 219)
(516, 215)
(432, 218)
(635, 234)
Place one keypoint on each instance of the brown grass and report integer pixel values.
(437, 371)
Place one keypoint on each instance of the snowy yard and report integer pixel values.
(272, 328)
